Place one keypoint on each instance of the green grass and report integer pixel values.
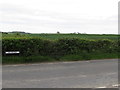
(59, 36)
(29, 59)
(90, 56)
(74, 57)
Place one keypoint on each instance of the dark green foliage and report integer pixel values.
(56, 47)
(65, 46)
(27, 47)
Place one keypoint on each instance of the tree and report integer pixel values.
(58, 32)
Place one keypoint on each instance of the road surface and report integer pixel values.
(79, 74)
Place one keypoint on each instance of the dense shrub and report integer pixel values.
(26, 47)
(65, 46)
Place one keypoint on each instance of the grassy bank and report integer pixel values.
(72, 57)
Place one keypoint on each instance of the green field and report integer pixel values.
(59, 47)
(59, 36)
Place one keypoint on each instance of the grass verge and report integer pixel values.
(73, 57)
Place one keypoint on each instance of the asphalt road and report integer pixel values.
(80, 74)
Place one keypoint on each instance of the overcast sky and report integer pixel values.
(65, 16)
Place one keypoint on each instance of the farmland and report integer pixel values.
(59, 36)
(59, 47)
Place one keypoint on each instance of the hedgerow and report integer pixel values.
(60, 47)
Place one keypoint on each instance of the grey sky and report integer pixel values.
(66, 16)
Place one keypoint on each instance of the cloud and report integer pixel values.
(15, 17)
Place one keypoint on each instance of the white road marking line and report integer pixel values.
(116, 85)
(102, 87)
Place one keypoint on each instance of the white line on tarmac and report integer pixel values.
(102, 87)
(115, 85)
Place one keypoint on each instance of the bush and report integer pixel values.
(58, 48)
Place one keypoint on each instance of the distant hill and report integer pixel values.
(20, 32)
